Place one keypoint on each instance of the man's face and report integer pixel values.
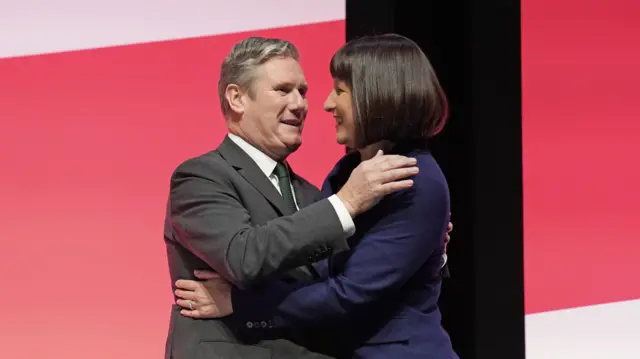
(274, 116)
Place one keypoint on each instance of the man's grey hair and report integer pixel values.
(245, 57)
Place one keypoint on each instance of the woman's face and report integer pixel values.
(339, 104)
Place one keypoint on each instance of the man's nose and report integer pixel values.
(297, 101)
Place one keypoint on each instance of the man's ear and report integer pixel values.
(235, 97)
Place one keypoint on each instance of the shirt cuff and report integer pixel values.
(348, 226)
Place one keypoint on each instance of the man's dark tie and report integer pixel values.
(285, 186)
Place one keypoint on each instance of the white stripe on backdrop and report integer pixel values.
(604, 331)
(29, 27)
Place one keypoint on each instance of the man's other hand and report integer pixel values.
(210, 297)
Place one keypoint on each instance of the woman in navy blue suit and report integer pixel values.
(378, 300)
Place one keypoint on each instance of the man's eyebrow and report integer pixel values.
(290, 84)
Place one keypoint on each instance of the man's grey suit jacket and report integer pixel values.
(224, 214)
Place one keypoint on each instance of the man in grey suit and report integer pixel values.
(243, 212)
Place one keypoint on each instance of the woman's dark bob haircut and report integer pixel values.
(396, 95)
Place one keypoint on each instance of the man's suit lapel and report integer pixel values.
(306, 195)
(248, 169)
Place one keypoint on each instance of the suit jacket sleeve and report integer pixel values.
(409, 229)
(210, 220)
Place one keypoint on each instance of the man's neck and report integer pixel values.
(271, 154)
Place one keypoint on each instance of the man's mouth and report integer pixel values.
(292, 122)
(338, 120)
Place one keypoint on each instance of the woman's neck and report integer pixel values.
(371, 150)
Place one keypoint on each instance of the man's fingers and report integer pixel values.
(185, 294)
(395, 161)
(185, 304)
(205, 274)
(187, 284)
(395, 186)
(379, 156)
(398, 174)
(191, 313)
(390, 161)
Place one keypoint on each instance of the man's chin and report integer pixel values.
(291, 143)
(293, 146)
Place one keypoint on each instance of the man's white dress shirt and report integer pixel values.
(268, 164)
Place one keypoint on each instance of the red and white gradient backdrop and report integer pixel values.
(99, 101)
(581, 142)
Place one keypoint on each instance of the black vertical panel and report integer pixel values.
(474, 47)
(495, 103)
(361, 21)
